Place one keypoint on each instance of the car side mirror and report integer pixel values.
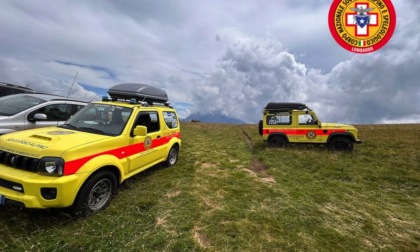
(38, 117)
(140, 131)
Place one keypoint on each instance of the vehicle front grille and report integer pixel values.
(18, 161)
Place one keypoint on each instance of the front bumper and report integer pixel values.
(25, 187)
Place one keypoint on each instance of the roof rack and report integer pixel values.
(285, 106)
(139, 93)
(150, 103)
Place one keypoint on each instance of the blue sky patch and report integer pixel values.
(108, 74)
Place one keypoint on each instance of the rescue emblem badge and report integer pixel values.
(311, 134)
(147, 142)
(362, 26)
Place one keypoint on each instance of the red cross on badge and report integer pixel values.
(361, 30)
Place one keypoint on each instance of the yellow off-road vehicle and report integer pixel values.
(285, 123)
(81, 163)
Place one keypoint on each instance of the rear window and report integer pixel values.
(279, 119)
(170, 119)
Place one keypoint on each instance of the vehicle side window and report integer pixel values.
(75, 108)
(55, 112)
(306, 119)
(279, 119)
(150, 120)
(170, 119)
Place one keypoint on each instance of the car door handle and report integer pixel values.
(157, 137)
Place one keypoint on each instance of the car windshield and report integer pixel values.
(13, 104)
(100, 119)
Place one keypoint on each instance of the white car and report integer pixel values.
(28, 111)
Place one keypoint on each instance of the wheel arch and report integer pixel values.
(96, 165)
(173, 142)
(278, 134)
(176, 144)
(341, 134)
(110, 168)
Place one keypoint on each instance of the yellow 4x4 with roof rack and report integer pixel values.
(81, 163)
(285, 123)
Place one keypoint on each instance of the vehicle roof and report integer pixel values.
(47, 97)
(13, 86)
(286, 107)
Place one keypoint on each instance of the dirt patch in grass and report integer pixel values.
(200, 238)
(211, 204)
(172, 194)
(161, 221)
(248, 139)
(257, 167)
(207, 165)
(268, 180)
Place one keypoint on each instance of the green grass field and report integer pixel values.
(229, 193)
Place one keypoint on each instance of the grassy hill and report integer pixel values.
(229, 193)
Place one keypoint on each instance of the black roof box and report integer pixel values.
(141, 92)
(285, 106)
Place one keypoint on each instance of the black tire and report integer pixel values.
(96, 193)
(341, 144)
(260, 127)
(172, 157)
(277, 141)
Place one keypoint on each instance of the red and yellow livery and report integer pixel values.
(285, 123)
(82, 162)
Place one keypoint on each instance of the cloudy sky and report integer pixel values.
(213, 57)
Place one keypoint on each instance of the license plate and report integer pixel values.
(2, 199)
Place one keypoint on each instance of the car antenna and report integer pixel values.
(67, 98)
(92, 98)
(74, 80)
(326, 111)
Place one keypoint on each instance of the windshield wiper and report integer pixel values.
(91, 130)
(66, 125)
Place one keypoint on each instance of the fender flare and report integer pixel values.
(98, 162)
(94, 165)
(341, 134)
(278, 134)
(172, 142)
